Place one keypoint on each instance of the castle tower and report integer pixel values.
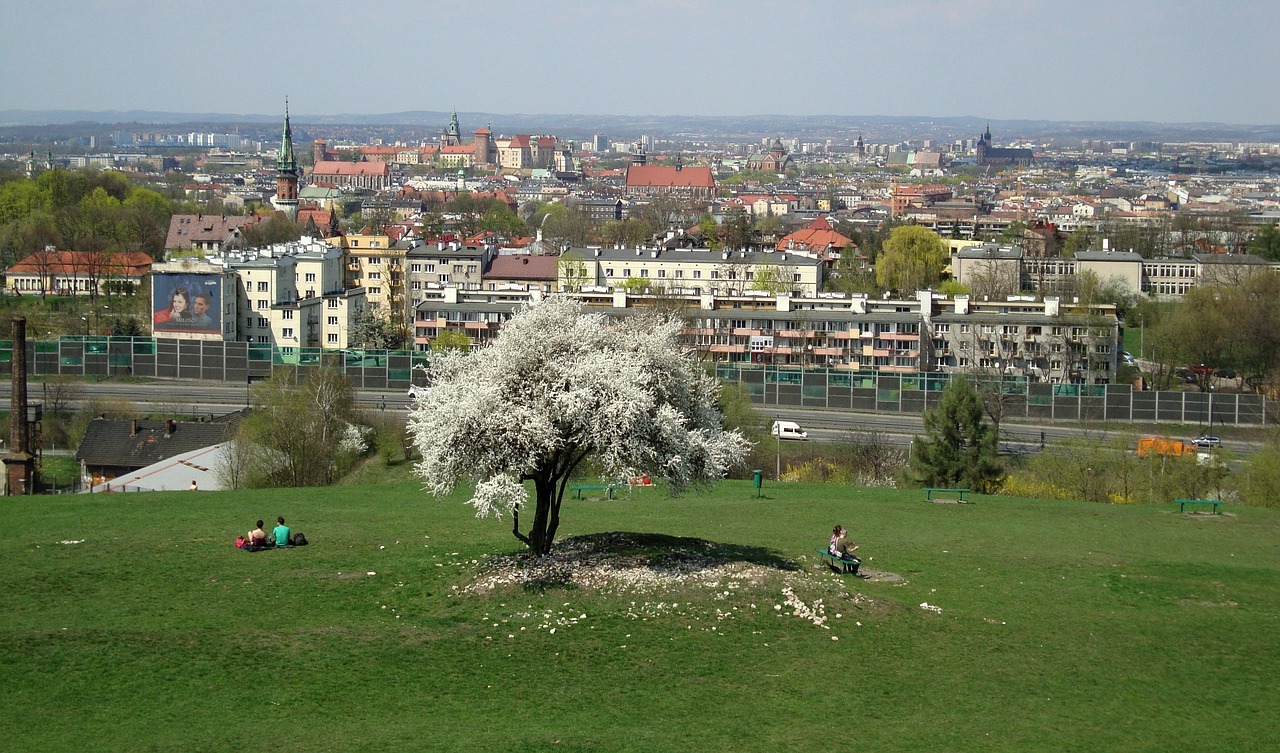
(484, 138)
(286, 199)
(320, 151)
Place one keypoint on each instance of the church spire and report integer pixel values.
(286, 199)
(286, 162)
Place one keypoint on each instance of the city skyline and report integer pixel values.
(1035, 60)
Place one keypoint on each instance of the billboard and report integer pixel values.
(186, 303)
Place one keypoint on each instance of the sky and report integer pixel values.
(1078, 60)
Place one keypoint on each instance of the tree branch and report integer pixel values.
(515, 526)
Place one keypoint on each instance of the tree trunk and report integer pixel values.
(540, 533)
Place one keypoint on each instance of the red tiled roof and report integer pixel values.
(816, 237)
(669, 176)
(335, 167)
(123, 263)
(459, 149)
(522, 267)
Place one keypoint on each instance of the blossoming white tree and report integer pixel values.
(559, 385)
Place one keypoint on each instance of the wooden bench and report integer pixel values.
(608, 489)
(836, 562)
(930, 491)
(1182, 504)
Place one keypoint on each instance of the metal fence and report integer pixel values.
(208, 360)
(916, 393)
(239, 363)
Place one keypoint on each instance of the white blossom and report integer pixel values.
(561, 383)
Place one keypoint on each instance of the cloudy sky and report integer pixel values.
(1158, 60)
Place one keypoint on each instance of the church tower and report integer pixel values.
(286, 199)
(453, 135)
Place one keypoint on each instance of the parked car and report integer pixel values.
(788, 430)
(1205, 441)
(416, 391)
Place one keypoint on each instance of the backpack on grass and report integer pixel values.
(299, 539)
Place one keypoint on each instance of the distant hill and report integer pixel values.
(877, 127)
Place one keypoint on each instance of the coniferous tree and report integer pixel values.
(959, 447)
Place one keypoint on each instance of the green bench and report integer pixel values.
(607, 488)
(930, 491)
(836, 562)
(1182, 504)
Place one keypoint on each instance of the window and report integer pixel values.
(263, 323)
(311, 277)
(375, 291)
(626, 273)
(375, 260)
(333, 303)
(444, 278)
(263, 339)
(332, 339)
(714, 275)
(751, 275)
(429, 268)
(679, 274)
(287, 333)
(415, 267)
(375, 275)
(262, 287)
(662, 273)
(333, 321)
(697, 274)
(608, 272)
(644, 273)
(263, 303)
(287, 315)
(795, 277)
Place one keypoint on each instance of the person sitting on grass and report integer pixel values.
(258, 536)
(843, 548)
(281, 533)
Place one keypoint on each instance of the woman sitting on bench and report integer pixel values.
(841, 547)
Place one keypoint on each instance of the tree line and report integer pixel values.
(80, 211)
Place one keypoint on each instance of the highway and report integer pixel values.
(193, 398)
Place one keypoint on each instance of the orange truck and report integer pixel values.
(1164, 446)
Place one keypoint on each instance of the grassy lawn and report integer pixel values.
(1062, 626)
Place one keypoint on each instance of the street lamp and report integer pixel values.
(85, 319)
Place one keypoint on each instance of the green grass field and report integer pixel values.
(1062, 626)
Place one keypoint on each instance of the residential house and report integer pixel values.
(115, 447)
(204, 232)
(522, 272)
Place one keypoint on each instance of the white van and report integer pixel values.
(788, 430)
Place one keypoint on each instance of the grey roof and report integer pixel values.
(989, 251)
(175, 473)
(1229, 259)
(1129, 256)
(124, 443)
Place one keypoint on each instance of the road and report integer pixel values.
(193, 398)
